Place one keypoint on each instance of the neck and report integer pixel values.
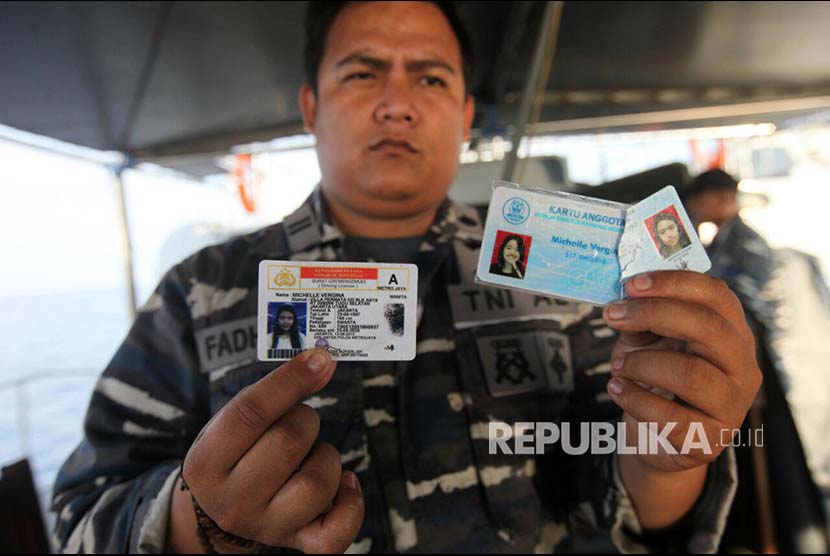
(725, 219)
(354, 222)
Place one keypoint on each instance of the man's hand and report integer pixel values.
(685, 355)
(258, 472)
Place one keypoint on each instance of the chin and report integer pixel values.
(393, 191)
(390, 188)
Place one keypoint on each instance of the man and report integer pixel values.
(778, 505)
(737, 250)
(395, 457)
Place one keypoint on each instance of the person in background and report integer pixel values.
(778, 505)
(737, 249)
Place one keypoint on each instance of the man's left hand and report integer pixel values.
(685, 355)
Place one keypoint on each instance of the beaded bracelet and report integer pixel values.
(209, 532)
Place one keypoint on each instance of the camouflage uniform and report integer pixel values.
(783, 306)
(416, 433)
(741, 258)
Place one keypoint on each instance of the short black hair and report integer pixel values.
(713, 180)
(321, 15)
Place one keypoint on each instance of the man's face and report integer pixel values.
(391, 112)
(711, 206)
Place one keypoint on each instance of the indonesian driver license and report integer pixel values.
(356, 311)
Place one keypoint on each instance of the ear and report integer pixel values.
(308, 106)
(469, 113)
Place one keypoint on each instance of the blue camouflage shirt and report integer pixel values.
(416, 433)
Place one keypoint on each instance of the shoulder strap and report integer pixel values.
(302, 230)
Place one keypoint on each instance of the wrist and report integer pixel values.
(182, 537)
(635, 468)
(192, 530)
(660, 497)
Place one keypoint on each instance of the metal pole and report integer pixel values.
(547, 30)
(126, 240)
(144, 78)
(681, 115)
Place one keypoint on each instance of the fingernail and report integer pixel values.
(643, 282)
(318, 362)
(615, 386)
(617, 310)
(617, 362)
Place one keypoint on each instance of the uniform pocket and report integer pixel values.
(508, 479)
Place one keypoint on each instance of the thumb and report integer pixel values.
(301, 376)
(253, 410)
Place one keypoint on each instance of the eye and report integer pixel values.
(432, 81)
(359, 76)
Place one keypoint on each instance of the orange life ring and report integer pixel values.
(246, 181)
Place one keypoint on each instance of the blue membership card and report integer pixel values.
(580, 248)
(562, 245)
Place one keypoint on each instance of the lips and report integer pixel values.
(394, 144)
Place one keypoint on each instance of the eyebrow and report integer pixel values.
(383, 65)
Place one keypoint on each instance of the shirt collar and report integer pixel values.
(452, 221)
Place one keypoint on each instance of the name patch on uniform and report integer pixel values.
(357, 311)
(226, 344)
(580, 248)
(474, 305)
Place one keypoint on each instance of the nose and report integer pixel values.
(396, 103)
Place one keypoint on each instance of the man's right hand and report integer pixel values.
(258, 471)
